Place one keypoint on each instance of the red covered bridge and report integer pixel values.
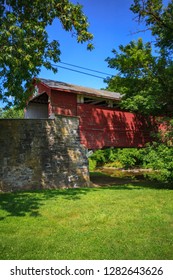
(101, 122)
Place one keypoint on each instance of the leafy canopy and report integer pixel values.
(144, 79)
(25, 45)
(158, 18)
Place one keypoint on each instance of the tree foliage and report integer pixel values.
(12, 113)
(158, 18)
(159, 157)
(25, 45)
(136, 79)
(144, 79)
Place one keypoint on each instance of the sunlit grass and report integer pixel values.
(114, 222)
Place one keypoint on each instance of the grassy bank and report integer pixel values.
(117, 221)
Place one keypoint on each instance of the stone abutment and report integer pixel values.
(42, 154)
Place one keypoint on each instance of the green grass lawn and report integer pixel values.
(121, 221)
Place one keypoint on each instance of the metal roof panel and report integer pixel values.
(80, 89)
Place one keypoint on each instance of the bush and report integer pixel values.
(92, 164)
(100, 157)
(119, 158)
(130, 157)
(159, 157)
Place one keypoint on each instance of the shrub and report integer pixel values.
(119, 158)
(159, 157)
(130, 157)
(92, 164)
(99, 156)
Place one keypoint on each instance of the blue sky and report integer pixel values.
(112, 24)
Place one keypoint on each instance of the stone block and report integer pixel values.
(42, 154)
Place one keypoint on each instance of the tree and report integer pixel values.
(12, 113)
(146, 80)
(158, 18)
(24, 42)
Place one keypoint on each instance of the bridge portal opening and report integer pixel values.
(37, 107)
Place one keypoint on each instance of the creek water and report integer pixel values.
(126, 173)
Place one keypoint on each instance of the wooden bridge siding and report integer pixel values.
(107, 127)
(64, 103)
(100, 127)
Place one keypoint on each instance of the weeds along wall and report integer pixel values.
(41, 154)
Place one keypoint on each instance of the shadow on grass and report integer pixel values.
(23, 203)
(20, 203)
(131, 182)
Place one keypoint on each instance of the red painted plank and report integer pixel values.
(106, 127)
(64, 103)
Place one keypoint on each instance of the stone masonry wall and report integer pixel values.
(41, 154)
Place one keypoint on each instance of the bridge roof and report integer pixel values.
(62, 86)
